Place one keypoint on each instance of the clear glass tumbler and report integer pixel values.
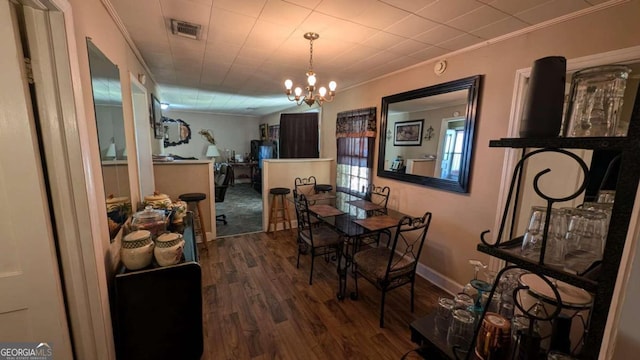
(443, 314)
(606, 196)
(596, 102)
(585, 239)
(461, 329)
(532, 242)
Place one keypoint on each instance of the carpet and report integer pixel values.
(243, 207)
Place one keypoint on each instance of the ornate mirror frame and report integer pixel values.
(184, 132)
(472, 86)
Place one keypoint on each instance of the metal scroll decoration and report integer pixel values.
(460, 353)
(550, 200)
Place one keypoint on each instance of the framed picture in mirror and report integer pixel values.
(408, 133)
(274, 132)
(263, 131)
(156, 118)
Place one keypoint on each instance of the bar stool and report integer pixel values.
(279, 211)
(323, 188)
(193, 204)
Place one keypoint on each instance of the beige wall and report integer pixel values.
(451, 241)
(283, 172)
(230, 132)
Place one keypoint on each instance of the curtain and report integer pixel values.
(299, 136)
(355, 137)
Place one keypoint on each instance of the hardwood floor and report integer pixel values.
(257, 305)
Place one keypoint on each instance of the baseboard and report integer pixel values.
(438, 279)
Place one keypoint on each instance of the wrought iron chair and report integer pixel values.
(386, 269)
(317, 240)
(305, 186)
(221, 185)
(378, 195)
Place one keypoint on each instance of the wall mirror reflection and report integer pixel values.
(427, 134)
(176, 132)
(107, 101)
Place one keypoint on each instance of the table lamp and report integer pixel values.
(212, 151)
(111, 152)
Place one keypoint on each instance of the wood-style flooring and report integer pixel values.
(257, 305)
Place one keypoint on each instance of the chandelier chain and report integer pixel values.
(311, 54)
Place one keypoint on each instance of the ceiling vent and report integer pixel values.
(185, 29)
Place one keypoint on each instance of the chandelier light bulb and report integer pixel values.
(332, 86)
(298, 91)
(311, 79)
(288, 84)
(322, 91)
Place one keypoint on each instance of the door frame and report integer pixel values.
(79, 213)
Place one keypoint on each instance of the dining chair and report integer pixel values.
(314, 238)
(222, 182)
(306, 186)
(378, 195)
(393, 266)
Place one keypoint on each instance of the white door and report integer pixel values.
(31, 300)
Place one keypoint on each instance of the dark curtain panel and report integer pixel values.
(355, 134)
(299, 136)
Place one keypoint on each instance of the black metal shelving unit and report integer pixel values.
(602, 284)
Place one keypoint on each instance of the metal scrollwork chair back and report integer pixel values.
(305, 186)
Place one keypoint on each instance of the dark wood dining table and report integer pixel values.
(353, 225)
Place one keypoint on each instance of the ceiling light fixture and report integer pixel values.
(310, 97)
(164, 106)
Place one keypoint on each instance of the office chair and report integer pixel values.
(222, 184)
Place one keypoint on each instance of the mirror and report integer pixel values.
(176, 132)
(107, 101)
(426, 136)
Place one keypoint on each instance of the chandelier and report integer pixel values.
(311, 96)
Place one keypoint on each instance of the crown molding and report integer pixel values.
(125, 33)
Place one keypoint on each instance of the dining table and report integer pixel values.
(346, 219)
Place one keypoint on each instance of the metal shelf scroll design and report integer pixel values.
(550, 200)
(526, 311)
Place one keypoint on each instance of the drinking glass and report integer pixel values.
(605, 208)
(585, 239)
(596, 102)
(461, 329)
(532, 242)
(463, 301)
(443, 314)
(606, 196)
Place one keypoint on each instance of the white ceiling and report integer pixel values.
(248, 48)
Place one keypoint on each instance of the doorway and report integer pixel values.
(242, 207)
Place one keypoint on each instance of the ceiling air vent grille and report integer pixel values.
(183, 28)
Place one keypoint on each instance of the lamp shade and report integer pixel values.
(212, 151)
(111, 152)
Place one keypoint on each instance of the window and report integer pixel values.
(355, 133)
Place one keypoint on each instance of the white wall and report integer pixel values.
(230, 132)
